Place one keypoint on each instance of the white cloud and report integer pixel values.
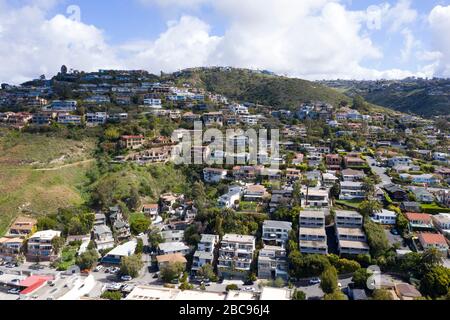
(439, 21)
(313, 39)
(185, 43)
(183, 4)
(31, 44)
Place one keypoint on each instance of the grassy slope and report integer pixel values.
(22, 186)
(245, 85)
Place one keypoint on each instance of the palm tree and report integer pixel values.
(369, 207)
(431, 258)
(369, 188)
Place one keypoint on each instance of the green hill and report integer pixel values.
(251, 86)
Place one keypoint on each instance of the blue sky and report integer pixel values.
(312, 39)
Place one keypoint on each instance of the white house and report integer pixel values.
(213, 175)
(385, 217)
(229, 199)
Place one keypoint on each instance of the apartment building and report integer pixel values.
(272, 263)
(350, 235)
(40, 247)
(348, 219)
(205, 251)
(10, 247)
(236, 255)
(276, 232)
(132, 142)
(351, 190)
(312, 234)
(315, 198)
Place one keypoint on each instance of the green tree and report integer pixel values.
(135, 199)
(431, 258)
(131, 265)
(345, 266)
(172, 271)
(381, 294)
(360, 278)
(88, 259)
(112, 134)
(155, 238)
(369, 207)
(139, 224)
(279, 283)
(139, 247)
(298, 295)
(111, 295)
(329, 280)
(58, 243)
(436, 282)
(369, 187)
(376, 237)
(335, 296)
(232, 287)
(207, 272)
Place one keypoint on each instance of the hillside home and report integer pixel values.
(103, 237)
(384, 216)
(40, 247)
(419, 221)
(272, 263)
(434, 240)
(230, 199)
(348, 219)
(353, 162)
(114, 257)
(132, 142)
(236, 255)
(333, 161)
(22, 227)
(352, 190)
(276, 232)
(352, 175)
(205, 251)
(442, 222)
(213, 175)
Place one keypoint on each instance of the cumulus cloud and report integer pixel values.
(313, 39)
(31, 44)
(439, 21)
(185, 43)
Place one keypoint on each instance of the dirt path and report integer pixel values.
(66, 165)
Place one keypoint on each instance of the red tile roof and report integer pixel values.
(33, 283)
(432, 238)
(411, 216)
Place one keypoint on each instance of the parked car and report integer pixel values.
(36, 267)
(1, 272)
(14, 291)
(98, 268)
(126, 278)
(394, 232)
(51, 283)
(314, 281)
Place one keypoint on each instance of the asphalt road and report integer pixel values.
(380, 171)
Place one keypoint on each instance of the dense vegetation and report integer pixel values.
(247, 85)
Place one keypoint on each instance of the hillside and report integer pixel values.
(40, 174)
(250, 86)
(419, 96)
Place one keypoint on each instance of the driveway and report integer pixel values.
(380, 171)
